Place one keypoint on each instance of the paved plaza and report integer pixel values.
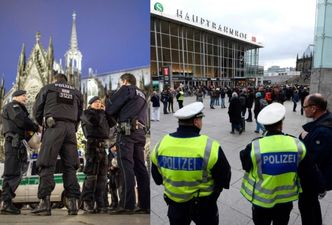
(60, 217)
(233, 208)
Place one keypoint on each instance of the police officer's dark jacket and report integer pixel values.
(221, 171)
(318, 142)
(127, 103)
(94, 124)
(306, 170)
(60, 101)
(16, 119)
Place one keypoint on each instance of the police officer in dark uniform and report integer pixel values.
(96, 130)
(129, 107)
(16, 124)
(58, 108)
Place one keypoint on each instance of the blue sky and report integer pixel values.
(112, 34)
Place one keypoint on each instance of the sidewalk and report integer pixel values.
(234, 209)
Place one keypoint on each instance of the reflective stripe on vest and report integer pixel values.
(198, 182)
(286, 188)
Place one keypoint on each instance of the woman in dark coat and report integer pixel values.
(234, 112)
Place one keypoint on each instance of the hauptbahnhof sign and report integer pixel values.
(180, 15)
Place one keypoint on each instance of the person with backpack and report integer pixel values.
(260, 103)
(164, 99)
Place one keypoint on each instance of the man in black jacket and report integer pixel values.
(58, 108)
(96, 130)
(16, 124)
(317, 137)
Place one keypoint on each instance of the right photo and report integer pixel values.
(241, 129)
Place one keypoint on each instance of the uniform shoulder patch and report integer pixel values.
(140, 93)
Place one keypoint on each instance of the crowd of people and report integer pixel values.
(58, 112)
(244, 104)
(279, 168)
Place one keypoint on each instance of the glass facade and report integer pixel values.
(197, 56)
(323, 35)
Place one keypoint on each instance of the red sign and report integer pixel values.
(165, 71)
(253, 39)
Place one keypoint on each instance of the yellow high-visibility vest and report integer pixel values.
(273, 178)
(185, 165)
(181, 97)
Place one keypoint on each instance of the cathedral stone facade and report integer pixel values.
(36, 71)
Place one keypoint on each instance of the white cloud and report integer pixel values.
(285, 27)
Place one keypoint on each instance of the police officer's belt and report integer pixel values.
(202, 200)
(98, 142)
(135, 125)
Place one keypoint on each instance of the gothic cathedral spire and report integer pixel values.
(73, 58)
(20, 67)
(73, 37)
(50, 60)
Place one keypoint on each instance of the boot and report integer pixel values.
(44, 207)
(114, 205)
(72, 206)
(88, 207)
(9, 209)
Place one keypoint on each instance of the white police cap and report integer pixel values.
(271, 114)
(190, 111)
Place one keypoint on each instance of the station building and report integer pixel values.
(190, 50)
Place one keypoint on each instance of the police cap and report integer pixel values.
(19, 93)
(193, 110)
(93, 99)
(271, 114)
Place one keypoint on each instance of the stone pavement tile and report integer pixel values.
(236, 176)
(237, 184)
(158, 206)
(234, 159)
(155, 219)
(229, 216)
(328, 197)
(229, 196)
(297, 221)
(327, 217)
(243, 206)
(326, 207)
(155, 189)
(294, 217)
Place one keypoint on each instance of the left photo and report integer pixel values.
(74, 101)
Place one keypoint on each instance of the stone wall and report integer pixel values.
(321, 82)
